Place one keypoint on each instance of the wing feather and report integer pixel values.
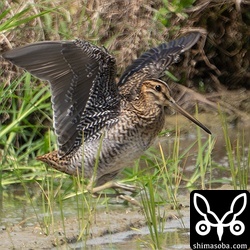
(77, 71)
(153, 63)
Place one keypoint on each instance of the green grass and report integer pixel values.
(169, 9)
(165, 176)
(18, 19)
(238, 157)
(21, 136)
(24, 135)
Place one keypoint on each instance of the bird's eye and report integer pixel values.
(158, 88)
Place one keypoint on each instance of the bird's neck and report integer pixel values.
(146, 109)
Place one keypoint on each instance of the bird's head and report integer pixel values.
(158, 92)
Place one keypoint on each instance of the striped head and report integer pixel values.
(158, 92)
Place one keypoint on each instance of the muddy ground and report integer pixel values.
(32, 237)
(118, 219)
(121, 223)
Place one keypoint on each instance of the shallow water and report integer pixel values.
(18, 214)
(173, 238)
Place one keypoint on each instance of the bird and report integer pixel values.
(103, 125)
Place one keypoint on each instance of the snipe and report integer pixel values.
(97, 120)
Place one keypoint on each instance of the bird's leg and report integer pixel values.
(129, 199)
(111, 184)
(115, 185)
(126, 187)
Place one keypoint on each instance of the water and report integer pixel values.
(112, 227)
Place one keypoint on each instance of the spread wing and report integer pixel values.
(153, 63)
(81, 76)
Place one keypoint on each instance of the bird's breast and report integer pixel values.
(120, 145)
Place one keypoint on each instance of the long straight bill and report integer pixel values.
(190, 117)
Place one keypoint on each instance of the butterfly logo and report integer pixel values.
(203, 227)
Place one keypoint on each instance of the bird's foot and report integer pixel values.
(116, 185)
(129, 199)
(126, 187)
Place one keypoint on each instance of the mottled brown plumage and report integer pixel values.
(99, 122)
